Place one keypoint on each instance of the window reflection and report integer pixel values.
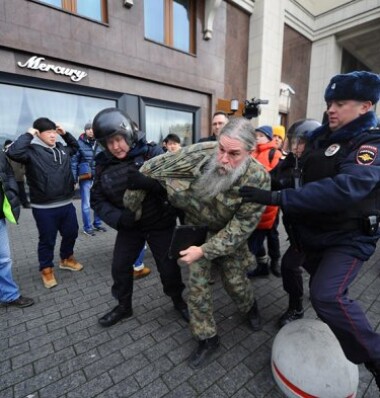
(170, 22)
(181, 25)
(56, 3)
(162, 121)
(154, 20)
(22, 105)
(89, 9)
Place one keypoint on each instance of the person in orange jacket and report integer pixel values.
(268, 155)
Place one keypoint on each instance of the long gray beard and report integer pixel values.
(213, 181)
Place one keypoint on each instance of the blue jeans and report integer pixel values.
(85, 187)
(8, 289)
(49, 222)
(140, 260)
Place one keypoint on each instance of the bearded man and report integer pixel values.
(203, 180)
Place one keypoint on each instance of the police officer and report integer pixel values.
(126, 150)
(336, 212)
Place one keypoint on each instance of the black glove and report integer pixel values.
(137, 180)
(251, 194)
(126, 220)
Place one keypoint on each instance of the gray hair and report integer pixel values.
(241, 129)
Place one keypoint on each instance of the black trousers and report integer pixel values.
(128, 246)
(291, 272)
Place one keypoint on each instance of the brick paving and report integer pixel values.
(57, 349)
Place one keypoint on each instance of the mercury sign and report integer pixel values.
(37, 64)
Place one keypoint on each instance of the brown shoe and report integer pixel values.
(142, 273)
(48, 277)
(70, 264)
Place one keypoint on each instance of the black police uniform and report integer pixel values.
(336, 214)
(155, 226)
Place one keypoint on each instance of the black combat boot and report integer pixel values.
(117, 314)
(295, 311)
(254, 317)
(181, 306)
(203, 352)
(275, 267)
(262, 268)
(374, 368)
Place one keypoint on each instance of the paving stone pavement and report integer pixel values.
(57, 349)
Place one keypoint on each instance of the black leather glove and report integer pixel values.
(137, 180)
(251, 194)
(126, 220)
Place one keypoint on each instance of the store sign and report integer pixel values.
(36, 63)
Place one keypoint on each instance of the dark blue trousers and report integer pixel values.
(49, 222)
(332, 272)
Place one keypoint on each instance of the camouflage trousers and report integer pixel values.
(233, 270)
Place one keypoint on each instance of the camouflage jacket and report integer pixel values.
(230, 221)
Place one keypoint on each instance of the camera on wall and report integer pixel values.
(252, 108)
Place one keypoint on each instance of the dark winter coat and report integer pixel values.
(48, 170)
(8, 191)
(110, 184)
(88, 149)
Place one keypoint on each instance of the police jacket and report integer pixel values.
(48, 169)
(341, 177)
(87, 151)
(110, 184)
(9, 202)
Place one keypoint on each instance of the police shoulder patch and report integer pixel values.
(366, 155)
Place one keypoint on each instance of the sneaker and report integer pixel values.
(89, 232)
(290, 316)
(100, 229)
(20, 302)
(142, 273)
(70, 264)
(48, 277)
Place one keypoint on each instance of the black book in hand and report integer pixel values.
(185, 236)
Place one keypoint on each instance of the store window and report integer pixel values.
(94, 9)
(22, 105)
(171, 22)
(161, 121)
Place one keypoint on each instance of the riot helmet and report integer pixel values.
(111, 121)
(297, 132)
(301, 127)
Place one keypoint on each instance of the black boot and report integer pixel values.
(374, 368)
(295, 311)
(262, 269)
(117, 314)
(254, 317)
(181, 306)
(203, 352)
(275, 267)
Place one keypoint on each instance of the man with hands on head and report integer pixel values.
(336, 211)
(203, 180)
(51, 184)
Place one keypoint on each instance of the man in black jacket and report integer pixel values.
(51, 184)
(126, 151)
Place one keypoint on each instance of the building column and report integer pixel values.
(326, 61)
(265, 57)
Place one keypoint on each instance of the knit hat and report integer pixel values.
(44, 124)
(267, 130)
(88, 126)
(279, 131)
(357, 86)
